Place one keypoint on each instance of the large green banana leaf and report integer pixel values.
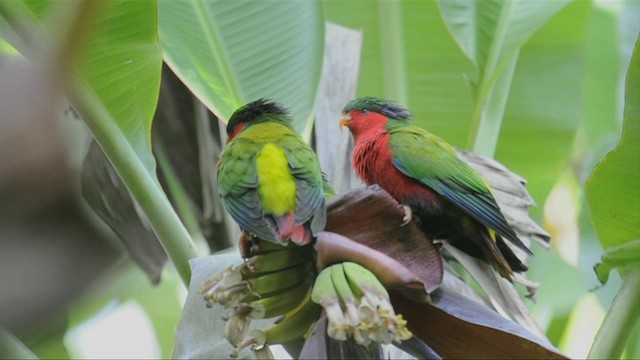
(543, 106)
(232, 52)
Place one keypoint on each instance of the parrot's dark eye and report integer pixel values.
(364, 111)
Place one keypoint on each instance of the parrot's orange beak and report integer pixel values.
(344, 121)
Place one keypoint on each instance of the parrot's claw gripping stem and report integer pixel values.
(408, 214)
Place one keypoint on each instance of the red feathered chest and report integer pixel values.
(372, 160)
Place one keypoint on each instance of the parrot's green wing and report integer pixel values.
(429, 159)
(305, 168)
(238, 184)
(238, 181)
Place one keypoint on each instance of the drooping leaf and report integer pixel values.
(187, 144)
(491, 32)
(622, 257)
(612, 192)
(456, 327)
(109, 198)
(232, 52)
(121, 62)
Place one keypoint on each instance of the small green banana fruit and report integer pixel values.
(294, 324)
(274, 281)
(357, 305)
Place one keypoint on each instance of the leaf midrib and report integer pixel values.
(214, 40)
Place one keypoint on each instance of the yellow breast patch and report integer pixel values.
(277, 187)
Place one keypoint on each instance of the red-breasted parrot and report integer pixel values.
(270, 180)
(420, 170)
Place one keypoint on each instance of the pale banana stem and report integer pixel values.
(620, 321)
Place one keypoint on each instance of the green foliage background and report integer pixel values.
(562, 115)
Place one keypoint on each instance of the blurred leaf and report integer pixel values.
(613, 198)
(46, 340)
(337, 86)
(126, 283)
(227, 63)
(117, 96)
(121, 61)
(612, 192)
(174, 126)
(116, 93)
(456, 327)
(549, 68)
(618, 324)
(601, 77)
(109, 198)
(585, 318)
(622, 257)
(633, 346)
(491, 32)
(46, 262)
(12, 348)
(6, 48)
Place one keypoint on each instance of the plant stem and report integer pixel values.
(392, 51)
(489, 112)
(620, 321)
(143, 187)
(12, 348)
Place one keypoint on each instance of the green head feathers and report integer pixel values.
(258, 111)
(378, 105)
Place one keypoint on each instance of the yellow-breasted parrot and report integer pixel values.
(420, 170)
(270, 180)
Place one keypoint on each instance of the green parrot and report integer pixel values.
(450, 199)
(270, 180)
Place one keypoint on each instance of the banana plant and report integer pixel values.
(225, 64)
(615, 216)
